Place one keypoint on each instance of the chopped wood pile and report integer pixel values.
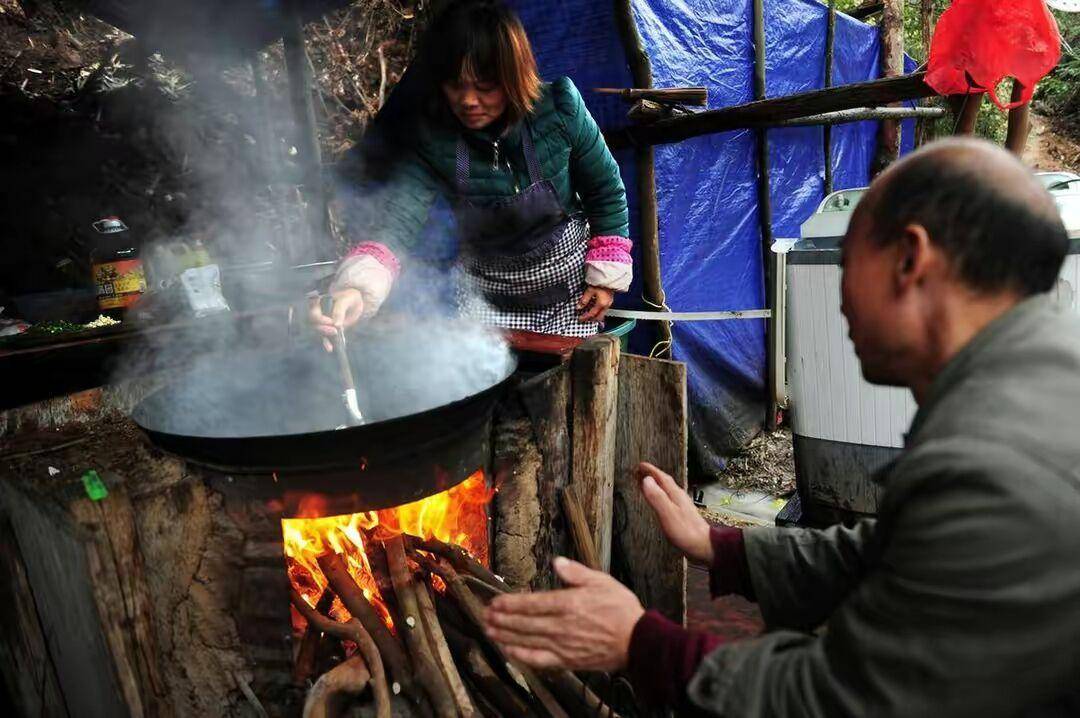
(435, 656)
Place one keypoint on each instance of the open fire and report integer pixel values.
(457, 516)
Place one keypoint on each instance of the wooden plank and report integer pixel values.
(594, 394)
(115, 563)
(56, 564)
(516, 508)
(652, 427)
(789, 107)
(547, 402)
(32, 686)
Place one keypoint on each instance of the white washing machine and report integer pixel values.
(845, 428)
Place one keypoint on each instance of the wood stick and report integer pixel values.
(437, 640)
(411, 628)
(474, 609)
(348, 678)
(304, 666)
(484, 586)
(337, 573)
(458, 557)
(352, 631)
(572, 691)
(488, 683)
(579, 529)
(567, 685)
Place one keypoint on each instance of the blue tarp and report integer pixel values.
(710, 246)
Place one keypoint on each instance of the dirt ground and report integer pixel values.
(1048, 149)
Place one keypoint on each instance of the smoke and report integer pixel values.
(258, 369)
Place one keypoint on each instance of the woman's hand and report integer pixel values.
(680, 520)
(594, 304)
(348, 306)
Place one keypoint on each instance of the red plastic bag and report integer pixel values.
(978, 43)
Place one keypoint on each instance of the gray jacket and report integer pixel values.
(963, 597)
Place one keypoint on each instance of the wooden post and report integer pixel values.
(892, 65)
(652, 396)
(307, 138)
(595, 385)
(641, 71)
(830, 47)
(966, 109)
(764, 194)
(924, 127)
(1019, 122)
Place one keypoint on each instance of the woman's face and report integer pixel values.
(476, 103)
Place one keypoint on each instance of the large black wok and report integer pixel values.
(427, 396)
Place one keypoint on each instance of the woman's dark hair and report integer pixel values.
(482, 40)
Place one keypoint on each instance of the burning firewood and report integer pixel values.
(437, 639)
(501, 696)
(352, 631)
(348, 678)
(333, 567)
(474, 609)
(458, 557)
(412, 630)
(304, 666)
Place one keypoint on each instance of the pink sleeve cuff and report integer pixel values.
(609, 249)
(380, 252)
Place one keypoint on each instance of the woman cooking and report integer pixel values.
(539, 205)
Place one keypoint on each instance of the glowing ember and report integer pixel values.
(457, 516)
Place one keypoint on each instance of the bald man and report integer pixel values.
(963, 597)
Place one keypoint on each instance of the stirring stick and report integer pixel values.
(352, 405)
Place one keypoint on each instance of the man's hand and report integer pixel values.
(585, 627)
(348, 306)
(680, 520)
(594, 304)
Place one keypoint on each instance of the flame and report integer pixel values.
(457, 516)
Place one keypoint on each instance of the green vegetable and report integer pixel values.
(57, 327)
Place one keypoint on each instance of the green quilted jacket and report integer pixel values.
(569, 147)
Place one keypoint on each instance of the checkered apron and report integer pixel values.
(523, 258)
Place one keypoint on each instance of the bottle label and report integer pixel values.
(119, 284)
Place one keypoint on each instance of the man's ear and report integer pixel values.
(914, 253)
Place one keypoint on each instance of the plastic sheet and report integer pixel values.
(710, 242)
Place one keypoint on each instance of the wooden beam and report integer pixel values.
(648, 214)
(594, 395)
(892, 65)
(652, 427)
(775, 109)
